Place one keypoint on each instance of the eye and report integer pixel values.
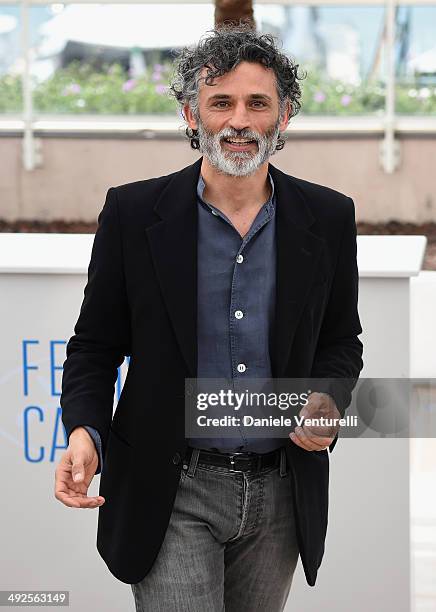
(225, 104)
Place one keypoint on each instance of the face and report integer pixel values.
(239, 120)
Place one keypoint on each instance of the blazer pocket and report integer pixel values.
(117, 470)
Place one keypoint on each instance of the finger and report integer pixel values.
(320, 431)
(306, 446)
(304, 439)
(66, 487)
(74, 495)
(74, 490)
(321, 438)
(317, 442)
(79, 501)
(316, 438)
(62, 480)
(297, 441)
(68, 467)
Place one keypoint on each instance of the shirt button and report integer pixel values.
(177, 458)
(239, 314)
(241, 367)
(240, 259)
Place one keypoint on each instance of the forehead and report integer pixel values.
(246, 79)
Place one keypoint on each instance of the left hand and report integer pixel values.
(316, 438)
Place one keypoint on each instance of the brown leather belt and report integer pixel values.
(236, 462)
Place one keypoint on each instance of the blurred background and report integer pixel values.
(84, 106)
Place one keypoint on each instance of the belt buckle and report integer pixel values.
(232, 463)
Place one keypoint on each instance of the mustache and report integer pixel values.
(246, 134)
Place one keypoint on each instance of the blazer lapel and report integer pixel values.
(298, 253)
(173, 246)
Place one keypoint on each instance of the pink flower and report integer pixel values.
(319, 96)
(161, 89)
(71, 89)
(345, 100)
(156, 76)
(128, 85)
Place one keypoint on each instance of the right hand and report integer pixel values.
(75, 471)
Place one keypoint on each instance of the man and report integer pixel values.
(227, 268)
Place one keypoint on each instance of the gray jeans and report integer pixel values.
(230, 544)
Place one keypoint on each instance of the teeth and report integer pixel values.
(239, 141)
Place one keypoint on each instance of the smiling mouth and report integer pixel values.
(237, 142)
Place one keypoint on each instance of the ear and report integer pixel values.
(285, 119)
(189, 116)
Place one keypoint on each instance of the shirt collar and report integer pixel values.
(270, 203)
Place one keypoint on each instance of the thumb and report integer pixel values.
(78, 470)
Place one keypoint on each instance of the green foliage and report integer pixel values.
(415, 98)
(11, 99)
(324, 96)
(81, 89)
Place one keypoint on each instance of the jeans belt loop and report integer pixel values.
(193, 462)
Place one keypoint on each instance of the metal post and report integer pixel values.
(390, 150)
(29, 144)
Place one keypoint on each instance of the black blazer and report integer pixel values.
(140, 300)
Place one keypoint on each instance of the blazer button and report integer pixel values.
(177, 458)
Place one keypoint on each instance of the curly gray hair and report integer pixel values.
(222, 49)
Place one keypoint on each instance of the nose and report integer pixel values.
(239, 119)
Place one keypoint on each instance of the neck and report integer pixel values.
(235, 193)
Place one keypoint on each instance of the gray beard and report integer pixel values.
(237, 163)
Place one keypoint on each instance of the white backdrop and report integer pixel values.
(47, 546)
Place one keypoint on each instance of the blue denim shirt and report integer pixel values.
(236, 303)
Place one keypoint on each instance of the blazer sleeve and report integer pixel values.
(101, 335)
(97, 441)
(339, 351)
